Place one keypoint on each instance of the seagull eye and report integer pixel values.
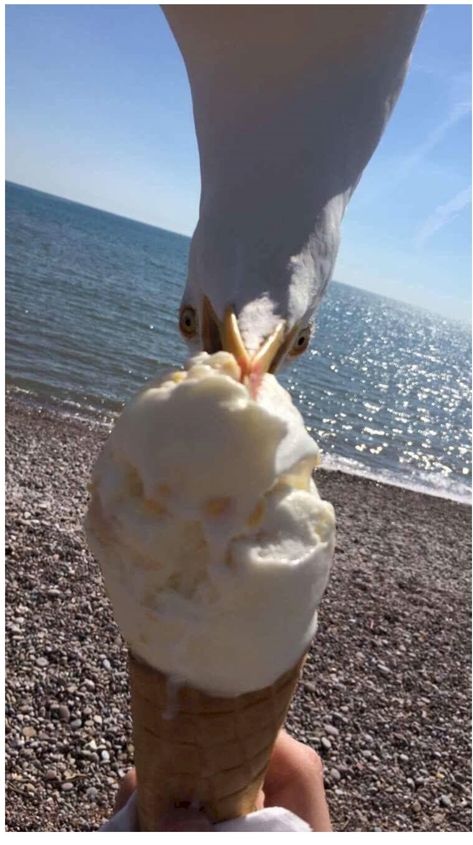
(301, 342)
(188, 321)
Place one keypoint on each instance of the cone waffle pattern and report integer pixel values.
(190, 746)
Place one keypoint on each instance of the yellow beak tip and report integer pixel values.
(261, 361)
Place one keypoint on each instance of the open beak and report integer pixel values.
(217, 334)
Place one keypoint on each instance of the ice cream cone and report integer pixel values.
(191, 746)
(212, 538)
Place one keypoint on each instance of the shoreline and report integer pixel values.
(385, 692)
(18, 396)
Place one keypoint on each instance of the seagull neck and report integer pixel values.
(290, 102)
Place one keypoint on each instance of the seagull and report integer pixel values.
(289, 105)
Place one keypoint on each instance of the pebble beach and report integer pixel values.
(385, 693)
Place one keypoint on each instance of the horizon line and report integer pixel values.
(463, 322)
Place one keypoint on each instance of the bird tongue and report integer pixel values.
(252, 381)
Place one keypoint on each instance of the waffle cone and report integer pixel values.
(190, 746)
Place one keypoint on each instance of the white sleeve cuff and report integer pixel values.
(271, 819)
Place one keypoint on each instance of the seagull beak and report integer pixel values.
(232, 341)
(265, 359)
(218, 335)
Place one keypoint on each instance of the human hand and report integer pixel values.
(294, 781)
(182, 818)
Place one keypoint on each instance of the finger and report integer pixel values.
(294, 780)
(125, 790)
(260, 801)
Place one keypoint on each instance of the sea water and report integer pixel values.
(91, 313)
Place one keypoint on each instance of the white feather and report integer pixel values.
(289, 105)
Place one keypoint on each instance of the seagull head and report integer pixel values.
(256, 297)
(258, 338)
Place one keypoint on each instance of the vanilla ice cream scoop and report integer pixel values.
(214, 543)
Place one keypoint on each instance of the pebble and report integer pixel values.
(66, 787)
(42, 662)
(326, 743)
(29, 732)
(339, 717)
(76, 723)
(351, 695)
(445, 801)
(331, 730)
(64, 713)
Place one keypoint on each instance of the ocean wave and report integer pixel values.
(432, 484)
(91, 315)
(428, 483)
(66, 408)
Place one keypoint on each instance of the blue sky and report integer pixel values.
(99, 111)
